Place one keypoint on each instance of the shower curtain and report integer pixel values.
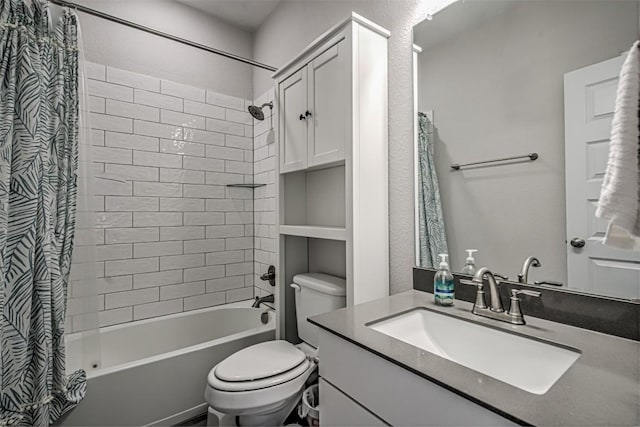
(38, 192)
(433, 240)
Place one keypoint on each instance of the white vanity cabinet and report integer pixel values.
(332, 187)
(338, 409)
(314, 115)
(375, 389)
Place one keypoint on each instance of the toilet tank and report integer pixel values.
(316, 293)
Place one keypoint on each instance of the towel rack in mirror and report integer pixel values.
(530, 156)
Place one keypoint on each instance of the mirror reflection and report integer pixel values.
(515, 101)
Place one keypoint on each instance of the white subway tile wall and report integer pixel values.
(264, 165)
(171, 237)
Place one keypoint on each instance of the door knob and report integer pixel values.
(577, 242)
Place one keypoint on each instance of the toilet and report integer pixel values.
(262, 384)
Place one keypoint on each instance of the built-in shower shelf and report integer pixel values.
(246, 185)
(315, 231)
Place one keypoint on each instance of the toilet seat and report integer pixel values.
(259, 366)
(260, 361)
(275, 380)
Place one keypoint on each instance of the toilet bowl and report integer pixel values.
(261, 384)
(264, 392)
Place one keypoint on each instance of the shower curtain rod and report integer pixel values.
(130, 24)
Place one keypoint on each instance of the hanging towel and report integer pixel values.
(620, 194)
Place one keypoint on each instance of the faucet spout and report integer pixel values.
(259, 300)
(531, 261)
(496, 302)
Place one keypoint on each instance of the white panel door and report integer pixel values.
(328, 102)
(590, 94)
(293, 123)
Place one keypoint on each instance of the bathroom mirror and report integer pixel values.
(535, 80)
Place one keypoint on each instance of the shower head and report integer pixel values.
(257, 112)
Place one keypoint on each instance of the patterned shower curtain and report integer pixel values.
(433, 240)
(38, 190)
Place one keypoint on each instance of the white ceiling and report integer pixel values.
(247, 14)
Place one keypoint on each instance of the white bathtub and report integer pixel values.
(154, 371)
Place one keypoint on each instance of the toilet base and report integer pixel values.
(275, 417)
(218, 419)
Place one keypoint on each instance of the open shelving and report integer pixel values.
(315, 231)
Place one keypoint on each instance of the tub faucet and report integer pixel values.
(531, 261)
(496, 311)
(260, 300)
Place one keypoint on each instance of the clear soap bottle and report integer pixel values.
(470, 265)
(443, 283)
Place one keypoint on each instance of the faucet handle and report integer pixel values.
(514, 308)
(480, 301)
(547, 282)
(501, 276)
(516, 292)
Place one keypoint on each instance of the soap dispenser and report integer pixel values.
(470, 265)
(443, 283)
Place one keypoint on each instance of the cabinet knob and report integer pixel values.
(302, 117)
(307, 113)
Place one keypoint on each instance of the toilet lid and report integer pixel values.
(260, 361)
(295, 374)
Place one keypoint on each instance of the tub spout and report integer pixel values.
(259, 300)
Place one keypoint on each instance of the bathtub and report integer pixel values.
(154, 372)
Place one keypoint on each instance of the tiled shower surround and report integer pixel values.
(172, 236)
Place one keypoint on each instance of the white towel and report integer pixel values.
(620, 194)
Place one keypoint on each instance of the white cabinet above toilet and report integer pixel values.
(314, 117)
(333, 159)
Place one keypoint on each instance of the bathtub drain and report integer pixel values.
(264, 317)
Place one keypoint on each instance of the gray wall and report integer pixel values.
(293, 25)
(129, 49)
(497, 90)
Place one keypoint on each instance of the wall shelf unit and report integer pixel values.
(332, 190)
(315, 231)
(314, 197)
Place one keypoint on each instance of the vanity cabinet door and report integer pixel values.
(293, 123)
(328, 106)
(337, 409)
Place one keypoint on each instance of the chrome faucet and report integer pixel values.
(531, 261)
(496, 302)
(496, 311)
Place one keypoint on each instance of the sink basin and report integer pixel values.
(526, 363)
